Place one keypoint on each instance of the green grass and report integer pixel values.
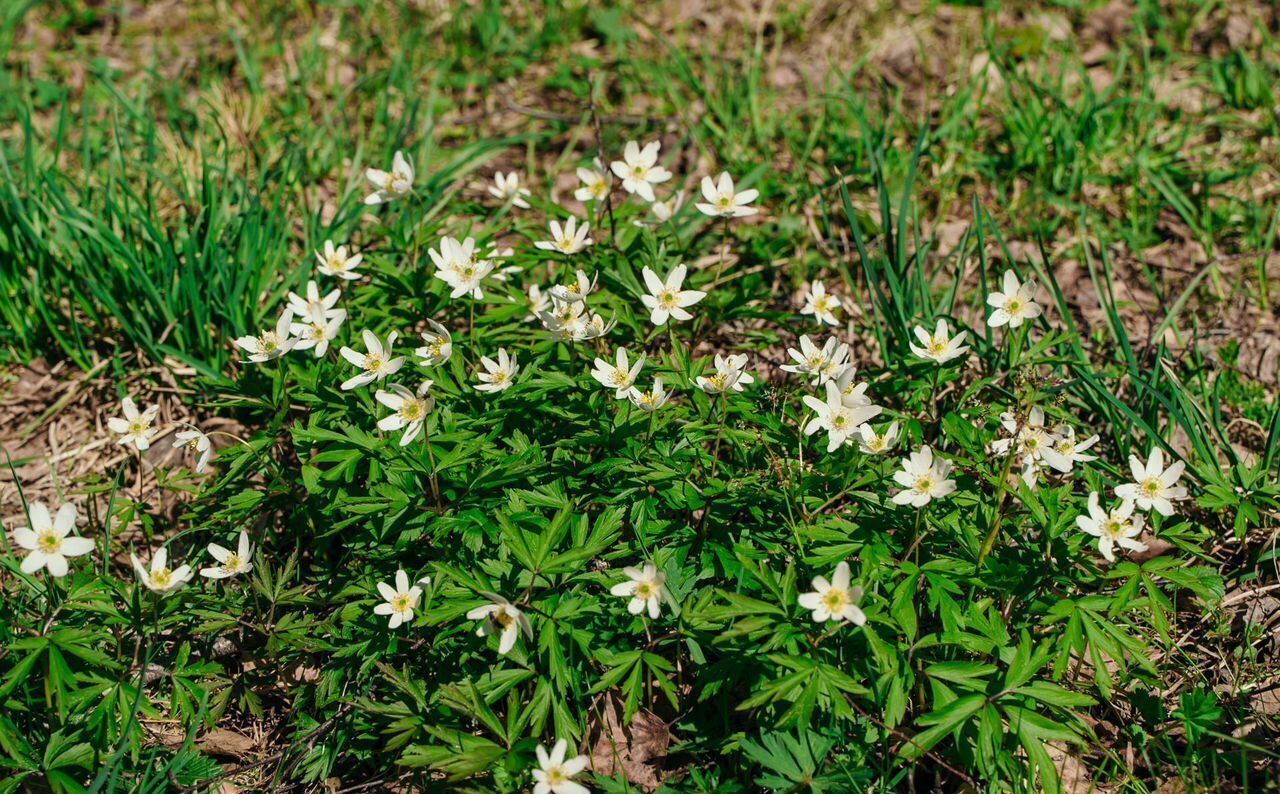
(153, 209)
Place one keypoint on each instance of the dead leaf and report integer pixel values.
(221, 741)
(636, 749)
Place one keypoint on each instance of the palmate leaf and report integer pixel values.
(458, 754)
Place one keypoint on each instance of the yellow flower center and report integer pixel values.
(668, 298)
(233, 563)
(373, 363)
(162, 578)
(49, 542)
(412, 411)
(1113, 528)
(645, 590)
(556, 776)
(876, 443)
(502, 619)
(923, 485)
(1013, 306)
(835, 600)
(1152, 487)
(138, 426)
(401, 603)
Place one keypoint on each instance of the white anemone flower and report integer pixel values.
(134, 427)
(376, 363)
(390, 185)
(835, 599)
(1015, 304)
(652, 400)
(577, 289)
(507, 188)
(639, 170)
(1115, 527)
(841, 421)
(1154, 487)
(668, 299)
(314, 302)
(662, 211)
(620, 376)
(438, 347)
(595, 183)
(230, 563)
(645, 586)
(821, 304)
(459, 266)
(923, 478)
(535, 302)
(723, 202)
(595, 327)
(1070, 448)
(317, 331)
(48, 541)
(940, 346)
(821, 363)
(729, 375)
(498, 375)
(401, 600)
(555, 773)
(198, 443)
(566, 320)
(271, 344)
(410, 409)
(874, 442)
(335, 262)
(568, 240)
(502, 618)
(160, 578)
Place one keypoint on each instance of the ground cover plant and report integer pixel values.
(654, 397)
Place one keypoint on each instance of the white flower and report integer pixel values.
(666, 299)
(230, 563)
(923, 479)
(458, 265)
(536, 302)
(595, 183)
(376, 363)
(874, 443)
(134, 428)
(1032, 442)
(566, 320)
(438, 347)
(1116, 527)
(317, 331)
(595, 327)
(507, 187)
(315, 303)
(638, 169)
(644, 586)
(160, 578)
(1015, 305)
(653, 400)
(498, 376)
(730, 375)
(197, 442)
(271, 344)
(411, 409)
(47, 542)
(393, 185)
(1069, 448)
(834, 600)
(822, 304)
(940, 346)
(663, 211)
(568, 240)
(576, 290)
(335, 262)
(555, 774)
(502, 618)
(840, 421)
(1154, 487)
(825, 363)
(620, 377)
(401, 601)
(723, 202)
